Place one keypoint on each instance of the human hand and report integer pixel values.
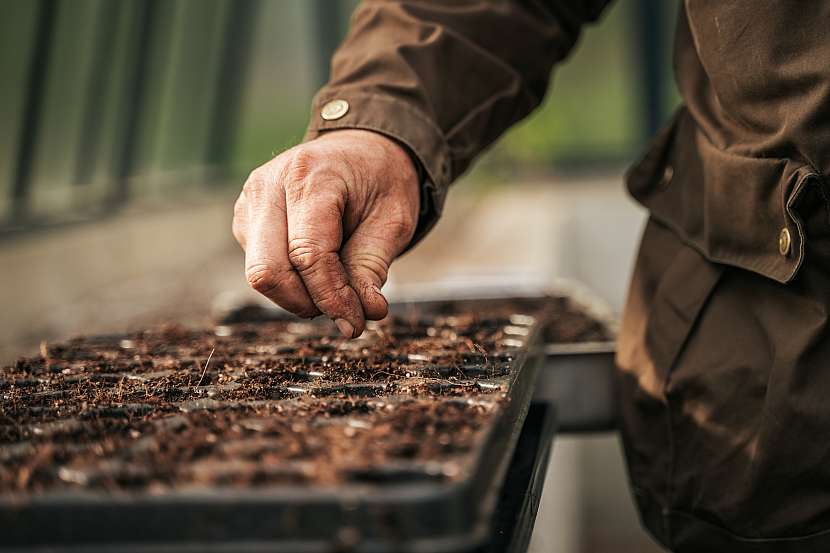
(321, 223)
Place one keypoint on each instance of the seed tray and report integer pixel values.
(577, 375)
(270, 435)
(578, 347)
(521, 493)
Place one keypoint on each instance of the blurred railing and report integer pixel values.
(126, 53)
(147, 24)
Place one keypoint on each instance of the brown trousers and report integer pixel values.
(725, 382)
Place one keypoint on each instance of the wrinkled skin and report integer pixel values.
(321, 223)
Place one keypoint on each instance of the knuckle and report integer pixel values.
(400, 233)
(301, 165)
(295, 191)
(256, 185)
(266, 279)
(256, 179)
(400, 223)
(276, 285)
(332, 298)
(375, 264)
(309, 175)
(306, 255)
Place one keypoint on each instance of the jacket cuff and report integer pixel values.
(401, 122)
(736, 210)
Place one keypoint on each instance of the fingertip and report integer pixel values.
(359, 326)
(348, 310)
(349, 330)
(345, 327)
(375, 305)
(378, 311)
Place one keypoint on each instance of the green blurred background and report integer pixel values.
(592, 119)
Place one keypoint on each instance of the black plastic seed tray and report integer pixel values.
(521, 493)
(270, 435)
(577, 375)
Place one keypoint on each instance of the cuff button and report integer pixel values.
(334, 110)
(784, 242)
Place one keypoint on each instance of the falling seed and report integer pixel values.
(127, 344)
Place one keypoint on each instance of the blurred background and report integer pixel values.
(128, 126)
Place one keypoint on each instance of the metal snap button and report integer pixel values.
(784, 242)
(334, 110)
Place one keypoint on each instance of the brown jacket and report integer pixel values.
(722, 353)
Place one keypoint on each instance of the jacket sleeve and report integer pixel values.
(446, 78)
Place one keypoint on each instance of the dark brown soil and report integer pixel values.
(571, 325)
(266, 401)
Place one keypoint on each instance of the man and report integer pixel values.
(722, 353)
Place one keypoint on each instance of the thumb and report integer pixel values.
(367, 255)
